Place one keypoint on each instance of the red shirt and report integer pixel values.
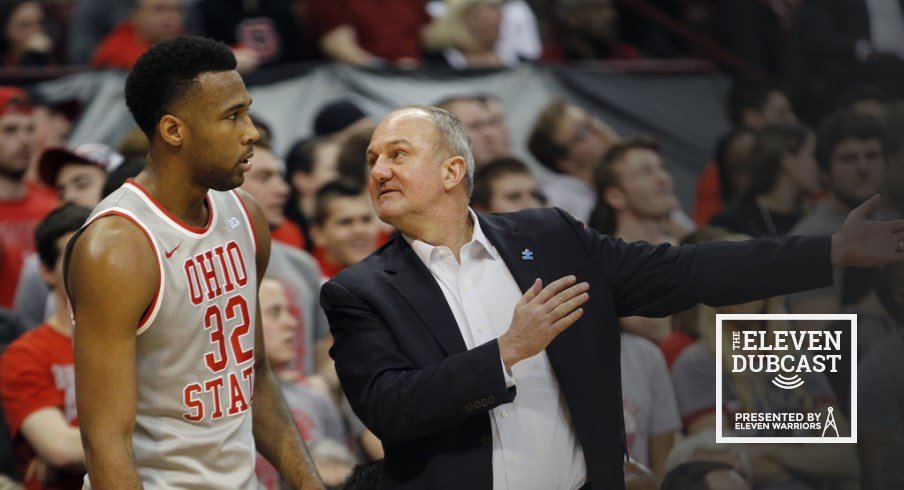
(389, 29)
(289, 233)
(120, 49)
(327, 268)
(37, 371)
(18, 219)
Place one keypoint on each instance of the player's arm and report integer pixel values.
(275, 432)
(111, 278)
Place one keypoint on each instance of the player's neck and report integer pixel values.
(172, 190)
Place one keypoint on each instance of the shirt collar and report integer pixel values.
(426, 251)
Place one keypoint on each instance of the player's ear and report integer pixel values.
(171, 130)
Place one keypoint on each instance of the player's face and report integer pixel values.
(406, 179)
(278, 323)
(219, 134)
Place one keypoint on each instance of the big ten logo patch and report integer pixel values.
(775, 375)
(218, 283)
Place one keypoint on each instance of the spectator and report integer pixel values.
(310, 164)
(266, 178)
(261, 33)
(24, 40)
(53, 122)
(751, 105)
(881, 393)
(314, 411)
(151, 22)
(369, 32)
(850, 152)
(90, 23)
(519, 37)
(702, 446)
(294, 268)
(505, 185)
(22, 204)
(467, 35)
(484, 119)
(37, 375)
(635, 194)
(650, 409)
(704, 475)
(588, 30)
(570, 143)
(351, 164)
(79, 177)
(783, 173)
(340, 119)
(344, 227)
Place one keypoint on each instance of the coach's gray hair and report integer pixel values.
(454, 139)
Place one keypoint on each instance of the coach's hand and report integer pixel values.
(865, 243)
(540, 315)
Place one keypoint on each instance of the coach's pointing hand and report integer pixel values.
(539, 316)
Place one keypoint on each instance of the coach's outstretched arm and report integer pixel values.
(111, 277)
(276, 434)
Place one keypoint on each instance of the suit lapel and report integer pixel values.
(518, 250)
(417, 286)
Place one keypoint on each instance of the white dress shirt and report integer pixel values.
(534, 443)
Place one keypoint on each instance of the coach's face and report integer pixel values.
(218, 133)
(406, 180)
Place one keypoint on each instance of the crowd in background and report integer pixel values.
(799, 157)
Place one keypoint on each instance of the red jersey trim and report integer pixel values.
(154, 306)
(171, 217)
(241, 202)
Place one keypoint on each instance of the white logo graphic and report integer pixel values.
(232, 223)
(788, 358)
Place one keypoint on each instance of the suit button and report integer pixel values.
(492, 399)
(486, 440)
(484, 403)
(469, 407)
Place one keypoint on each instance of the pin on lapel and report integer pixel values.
(527, 254)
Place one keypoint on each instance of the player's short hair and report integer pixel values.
(167, 71)
(67, 218)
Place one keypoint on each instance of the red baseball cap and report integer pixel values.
(96, 154)
(14, 99)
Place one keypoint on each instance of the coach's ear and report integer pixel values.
(171, 130)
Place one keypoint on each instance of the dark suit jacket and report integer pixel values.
(406, 372)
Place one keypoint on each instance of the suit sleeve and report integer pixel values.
(395, 399)
(659, 280)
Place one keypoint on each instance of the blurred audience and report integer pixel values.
(339, 119)
(505, 185)
(783, 174)
(570, 143)
(466, 36)
(22, 203)
(24, 40)
(310, 164)
(751, 105)
(704, 475)
(588, 30)
(369, 32)
(89, 24)
(151, 22)
(893, 192)
(37, 375)
(53, 122)
(260, 32)
(484, 119)
(519, 36)
(344, 227)
(315, 413)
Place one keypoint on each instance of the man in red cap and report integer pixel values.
(22, 204)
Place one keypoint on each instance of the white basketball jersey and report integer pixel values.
(195, 345)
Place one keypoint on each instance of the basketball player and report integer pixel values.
(163, 285)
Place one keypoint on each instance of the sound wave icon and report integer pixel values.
(788, 382)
